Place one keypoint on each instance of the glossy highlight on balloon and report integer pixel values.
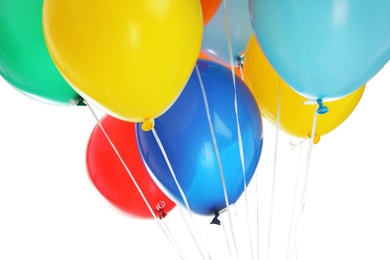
(296, 117)
(110, 177)
(185, 135)
(132, 59)
(25, 62)
(323, 49)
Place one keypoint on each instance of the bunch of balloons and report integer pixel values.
(185, 84)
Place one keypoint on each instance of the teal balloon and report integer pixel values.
(215, 41)
(323, 49)
(25, 62)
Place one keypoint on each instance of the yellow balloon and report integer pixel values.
(131, 58)
(296, 118)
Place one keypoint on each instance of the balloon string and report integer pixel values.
(274, 172)
(290, 234)
(170, 233)
(217, 155)
(308, 161)
(226, 239)
(170, 238)
(257, 217)
(239, 136)
(180, 190)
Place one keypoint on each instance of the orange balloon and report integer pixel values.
(209, 7)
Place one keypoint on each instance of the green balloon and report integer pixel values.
(25, 62)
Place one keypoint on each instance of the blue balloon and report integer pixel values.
(185, 134)
(215, 41)
(323, 49)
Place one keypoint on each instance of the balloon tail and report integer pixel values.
(322, 109)
(217, 154)
(157, 138)
(240, 62)
(157, 218)
(78, 102)
(215, 220)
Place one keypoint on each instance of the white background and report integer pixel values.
(50, 210)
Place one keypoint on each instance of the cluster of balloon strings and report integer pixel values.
(319, 109)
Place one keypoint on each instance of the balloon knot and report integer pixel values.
(240, 59)
(161, 214)
(215, 220)
(322, 108)
(147, 125)
(77, 102)
(160, 206)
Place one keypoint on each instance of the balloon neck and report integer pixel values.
(240, 60)
(215, 220)
(147, 125)
(322, 109)
(161, 214)
(316, 138)
(78, 102)
(160, 206)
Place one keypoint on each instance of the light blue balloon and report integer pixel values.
(323, 49)
(215, 41)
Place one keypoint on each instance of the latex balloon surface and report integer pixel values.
(215, 39)
(323, 49)
(185, 135)
(296, 118)
(131, 58)
(237, 69)
(209, 7)
(25, 62)
(110, 177)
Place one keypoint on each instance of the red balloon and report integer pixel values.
(209, 7)
(110, 177)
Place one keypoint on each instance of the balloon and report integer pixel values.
(185, 134)
(296, 118)
(110, 178)
(25, 62)
(209, 7)
(215, 41)
(323, 49)
(237, 70)
(130, 58)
